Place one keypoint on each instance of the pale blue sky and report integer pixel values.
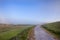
(29, 11)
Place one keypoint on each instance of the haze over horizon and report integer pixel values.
(29, 11)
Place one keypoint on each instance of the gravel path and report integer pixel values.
(41, 34)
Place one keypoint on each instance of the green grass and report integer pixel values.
(11, 33)
(23, 35)
(53, 27)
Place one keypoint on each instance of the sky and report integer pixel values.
(29, 11)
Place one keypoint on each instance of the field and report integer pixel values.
(7, 32)
(53, 27)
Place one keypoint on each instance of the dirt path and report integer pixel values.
(41, 34)
(31, 34)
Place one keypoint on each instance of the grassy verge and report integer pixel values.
(53, 27)
(11, 33)
(31, 34)
(23, 35)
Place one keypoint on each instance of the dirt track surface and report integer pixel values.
(41, 34)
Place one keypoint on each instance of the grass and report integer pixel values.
(12, 32)
(24, 34)
(53, 27)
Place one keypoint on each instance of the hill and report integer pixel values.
(53, 27)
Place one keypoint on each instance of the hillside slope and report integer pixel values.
(53, 27)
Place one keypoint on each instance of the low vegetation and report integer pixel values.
(23, 35)
(9, 31)
(53, 27)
